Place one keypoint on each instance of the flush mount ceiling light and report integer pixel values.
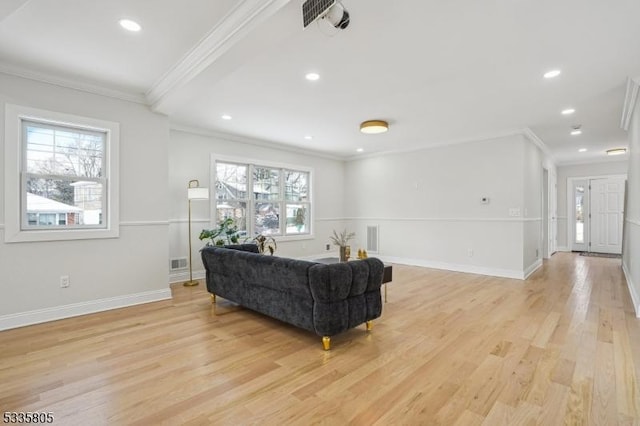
(552, 74)
(372, 127)
(130, 25)
(226, 117)
(308, 137)
(359, 150)
(568, 111)
(617, 151)
(576, 130)
(312, 76)
(582, 150)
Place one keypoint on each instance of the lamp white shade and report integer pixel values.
(198, 193)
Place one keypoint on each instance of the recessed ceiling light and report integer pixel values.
(582, 150)
(312, 76)
(226, 117)
(360, 150)
(616, 151)
(308, 137)
(130, 25)
(568, 111)
(576, 130)
(552, 73)
(374, 126)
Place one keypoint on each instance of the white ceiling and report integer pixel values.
(439, 72)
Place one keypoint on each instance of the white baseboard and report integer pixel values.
(563, 248)
(531, 269)
(73, 310)
(177, 277)
(470, 269)
(632, 290)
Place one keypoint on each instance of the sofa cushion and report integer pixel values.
(330, 283)
(251, 269)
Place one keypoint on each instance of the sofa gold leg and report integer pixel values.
(369, 325)
(213, 298)
(326, 343)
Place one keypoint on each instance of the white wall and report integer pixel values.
(631, 249)
(104, 273)
(532, 207)
(580, 170)
(189, 158)
(428, 204)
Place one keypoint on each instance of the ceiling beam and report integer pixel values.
(630, 100)
(244, 18)
(8, 7)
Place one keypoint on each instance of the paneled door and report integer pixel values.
(606, 209)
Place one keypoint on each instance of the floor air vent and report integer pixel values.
(179, 263)
(372, 239)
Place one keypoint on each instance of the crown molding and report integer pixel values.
(9, 7)
(242, 19)
(619, 159)
(69, 83)
(630, 100)
(451, 142)
(251, 141)
(530, 134)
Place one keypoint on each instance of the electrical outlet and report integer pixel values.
(64, 281)
(470, 252)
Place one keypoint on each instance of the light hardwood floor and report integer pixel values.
(562, 347)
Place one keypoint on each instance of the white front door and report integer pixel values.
(606, 205)
(580, 215)
(553, 214)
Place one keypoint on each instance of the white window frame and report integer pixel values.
(15, 195)
(250, 200)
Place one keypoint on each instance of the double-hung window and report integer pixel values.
(263, 198)
(60, 176)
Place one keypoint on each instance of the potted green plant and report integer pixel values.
(341, 240)
(226, 233)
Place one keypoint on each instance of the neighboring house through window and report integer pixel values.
(263, 198)
(61, 174)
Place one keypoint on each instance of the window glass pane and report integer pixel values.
(297, 218)
(231, 181)
(266, 184)
(579, 197)
(267, 219)
(237, 210)
(75, 202)
(60, 151)
(296, 186)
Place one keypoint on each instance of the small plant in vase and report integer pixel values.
(341, 240)
(266, 244)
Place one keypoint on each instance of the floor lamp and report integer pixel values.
(194, 192)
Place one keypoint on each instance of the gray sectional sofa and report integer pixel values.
(324, 299)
